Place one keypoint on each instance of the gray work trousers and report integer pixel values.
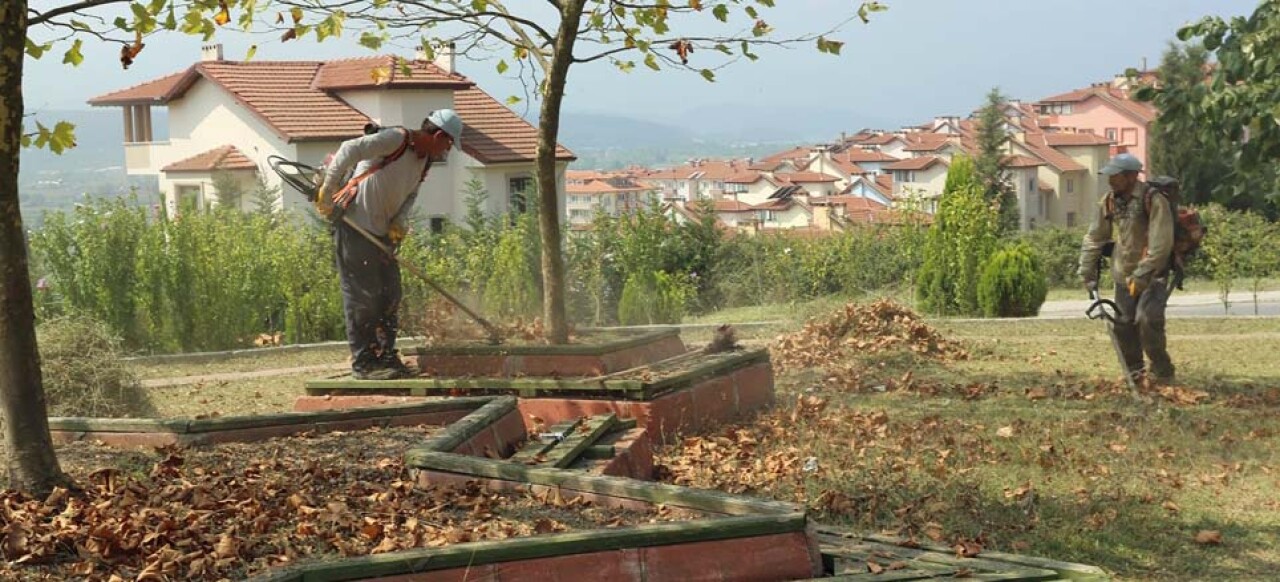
(1139, 328)
(370, 296)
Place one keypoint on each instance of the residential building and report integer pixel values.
(589, 193)
(229, 116)
(1106, 110)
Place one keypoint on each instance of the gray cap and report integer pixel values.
(448, 120)
(1121, 163)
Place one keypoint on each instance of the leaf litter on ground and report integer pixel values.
(232, 510)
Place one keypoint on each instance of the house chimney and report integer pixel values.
(445, 58)
(211, 52)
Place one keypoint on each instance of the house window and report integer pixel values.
(188, 196)
(1111, 133)
(1129, 136)
(437, 224)
(517, 193)
(1071, 185)
(580, 214)
(1071, 219)
(767, 215)
(1031, 184)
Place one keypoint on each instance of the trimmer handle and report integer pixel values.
(1101, 308)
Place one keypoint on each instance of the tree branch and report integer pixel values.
(42, 17)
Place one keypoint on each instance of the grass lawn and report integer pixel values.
(1241, 289)
(1030, 445)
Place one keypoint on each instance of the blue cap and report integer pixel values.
(1121, 163)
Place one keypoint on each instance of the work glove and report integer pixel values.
(1136, 285)
(324, 203)
(396, 232)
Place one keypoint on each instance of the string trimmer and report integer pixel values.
(305, 179)
(1108, 311)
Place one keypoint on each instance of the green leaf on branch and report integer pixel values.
(708, 75)
(61, 138)
(651, 62)
(72, 56)
(721, 12)
(253, 50)
(512, 100)
(502, 66)
(479, 5)
(36, 51)
(371, 41)
(829, 46)
(746, 51)
(331, 26)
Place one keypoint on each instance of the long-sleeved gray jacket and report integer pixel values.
(386, 196)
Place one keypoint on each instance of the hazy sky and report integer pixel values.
(921, 58)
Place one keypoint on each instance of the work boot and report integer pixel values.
(391, 361)
(372, 369)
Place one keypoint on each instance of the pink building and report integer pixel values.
(1105, 110)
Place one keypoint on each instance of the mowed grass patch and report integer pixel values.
(240, 397)
(266, 360)
(1029, 445)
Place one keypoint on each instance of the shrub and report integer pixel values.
(1059, 252)
(655, 298)
(83, 374)
(1012, 283)
(963, 235)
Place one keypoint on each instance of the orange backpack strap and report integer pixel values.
(342, 198)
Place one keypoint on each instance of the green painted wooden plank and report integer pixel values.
(290, 418)
(489, 552)
(85, 424)
(906, 574)
(593, 349)
(699, 499)
(599, 452)
(470, 425)
(625, 424)
(1068, 570)
(567, 451)
(448, 384)
(979, 564)
(537, 448)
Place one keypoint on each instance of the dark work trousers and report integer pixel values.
(370, 295)
(1140, 328)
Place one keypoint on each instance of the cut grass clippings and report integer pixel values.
(1030, 444)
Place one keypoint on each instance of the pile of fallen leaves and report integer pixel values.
(236, 510)
(441, 322)
(862, 328)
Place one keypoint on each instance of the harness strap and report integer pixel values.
(342, 198)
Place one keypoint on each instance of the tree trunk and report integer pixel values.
(32, 465)
(553, 283)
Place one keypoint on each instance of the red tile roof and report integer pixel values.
(153, 91)
(1021, 161)
(286, 96)
(881, 139)
(1075, 139)
(1035, 143)
(1141, 112)
(492, 133)
(714, 170)
(795, 177)
(919, 163)
(796, 153)
(226, 158)
(723, 205)
(926, 141)
(858, 155)
(1075, 96)
(743, 177)
(885, 182)
(386, 71)
(605, 187)
(281, 94)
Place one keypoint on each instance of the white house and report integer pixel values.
(229, 116)
(589, 193)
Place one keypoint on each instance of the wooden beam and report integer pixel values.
(699, 499)
(535, 451)
(472, 424)
(599, 452)
(567, 451)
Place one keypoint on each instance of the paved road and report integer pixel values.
(1185, 305)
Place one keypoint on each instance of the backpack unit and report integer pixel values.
(1188, 229)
